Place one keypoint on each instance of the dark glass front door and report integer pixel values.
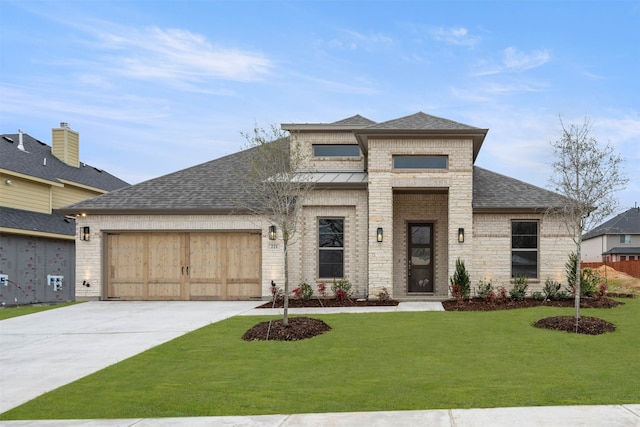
(420, 257)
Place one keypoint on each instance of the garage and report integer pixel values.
(183, 265)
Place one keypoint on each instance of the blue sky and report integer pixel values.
(158, 86)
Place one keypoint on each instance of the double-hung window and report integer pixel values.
(524, 249)
(330, 247)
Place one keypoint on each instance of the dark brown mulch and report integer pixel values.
(586, 325)
(299, 328)
(329, 302)
(477, 304)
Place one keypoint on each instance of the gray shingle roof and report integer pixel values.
(629, 250)
(493, 191)
(354, 120)
(421, 121)
(211, 187)
(34, 221)
(627, 222)
(31, 162)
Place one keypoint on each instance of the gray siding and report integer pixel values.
(27, 260)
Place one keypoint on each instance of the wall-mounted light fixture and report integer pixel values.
(379, 235)
(460, 235)
(85, 233)
(8, 182)
(272, 232)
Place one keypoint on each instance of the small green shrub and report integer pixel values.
(590, 282)
(538, 296)
(519, 289)
(461, 279)
(341, 288)
(306, 291)
(485, 289)
(551, 289)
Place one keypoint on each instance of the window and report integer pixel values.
(524, 249)
(623, 258)
(330, 247)
(327, 150)
(625, 238)
(420, 162)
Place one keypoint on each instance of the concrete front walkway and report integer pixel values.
(43, 351)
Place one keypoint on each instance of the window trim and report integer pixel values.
(417, 156)
(536, 249)
(624, 240)
(339, 156)
(330, 248)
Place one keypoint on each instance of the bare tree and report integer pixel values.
(588, 176)
(277, 184)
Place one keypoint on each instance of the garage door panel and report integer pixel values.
(164, 291)
(244, 290)
(206, 255)
(206, 290)
(127, 290)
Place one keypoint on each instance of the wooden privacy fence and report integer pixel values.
(632, 268)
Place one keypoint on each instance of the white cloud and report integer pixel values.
(175, 54)
(458, 36)
(514, 59)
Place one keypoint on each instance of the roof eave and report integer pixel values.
(152, 211)
(478, 135)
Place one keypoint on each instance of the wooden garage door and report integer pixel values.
(183, 266)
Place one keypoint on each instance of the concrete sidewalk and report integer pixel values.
(552, 416)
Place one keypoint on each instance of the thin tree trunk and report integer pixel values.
(285, 318)
(578, 278)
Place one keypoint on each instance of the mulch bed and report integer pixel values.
(478, 304)
(585, 325)
(300, 328)
(328, 302)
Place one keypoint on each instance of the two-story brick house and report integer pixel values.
(395, 205)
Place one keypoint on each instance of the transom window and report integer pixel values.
(336, 150)
(625, 238)
(420, 162)
(330, 247)
(524, 249)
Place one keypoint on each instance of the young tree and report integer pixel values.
(273, 178)
(588, 176)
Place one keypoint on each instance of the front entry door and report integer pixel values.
(420, 257)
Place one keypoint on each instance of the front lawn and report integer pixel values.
(367, 362)
(21, 310)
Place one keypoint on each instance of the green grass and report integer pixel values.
(9, 312)
(381, 361)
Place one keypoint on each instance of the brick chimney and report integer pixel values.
(65, 144)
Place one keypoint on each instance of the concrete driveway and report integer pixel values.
(43, 351)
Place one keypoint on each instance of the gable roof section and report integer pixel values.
(419, 124)
(627, 222)
(27, 221)
(211, 187)
(421, 121)
(32, 162)
(354, 120)
(495, 192)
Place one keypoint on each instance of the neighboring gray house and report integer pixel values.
(395, 205)
(615, 240)
(37, 246)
